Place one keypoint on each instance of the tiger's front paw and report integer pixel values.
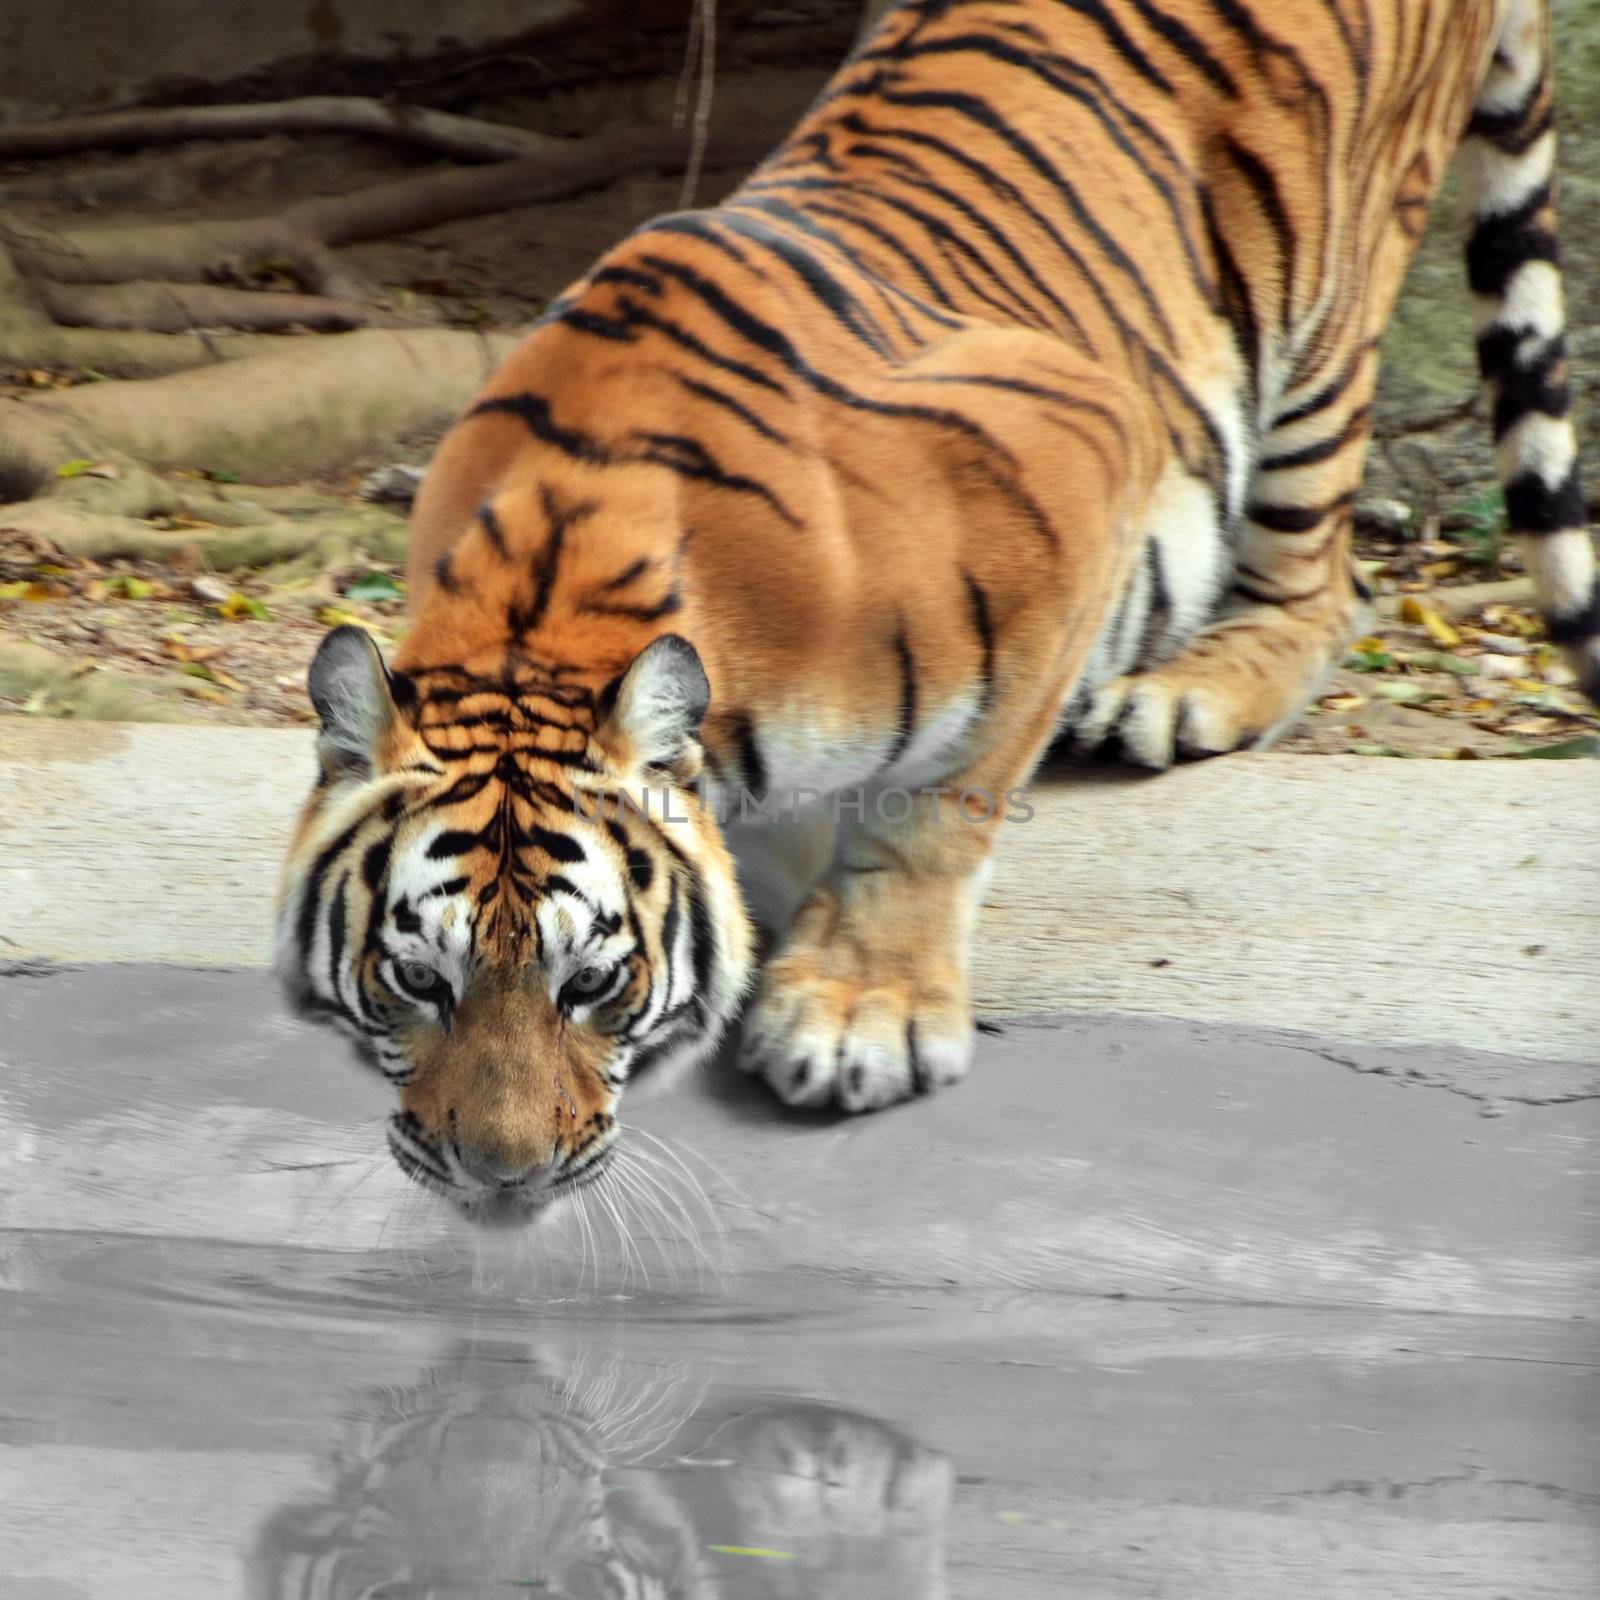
(1154, 718)
(849, 1042)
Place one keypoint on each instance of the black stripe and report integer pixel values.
(983, 626)
(826, 289)
(896, 299)
(630, 276)
(720, 397)
(752, 766)
(1309, 455)
(533, 412)
(873, 230)
(985, 116)
(1189, 46)
(702, 934)
(1007, 191)
(778, 345)
(306, 921)
(1092, 93)
(688, 458)
(1511, 131)
(1505, 241)
(493, 531)
(524, 620)
(1533, 506)
(1234, 296)
(649, 1055)
(1575, 627)
(1264, 186)
(1159, 613)
(909, 47)
(558, 846)
(669, 932)
(1294, 519)
(915, 175)
(1097, 12)
(1523, 384)
(374, 871)
(1320, 401)
(641, 869)
(453, 842)
(336, 932)
(629, 574)
(908, 697)
(667, 606)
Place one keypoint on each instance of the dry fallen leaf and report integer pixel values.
(238, 606)
(180, 650)
(1440, 631)
(1405, 693)
(206, 691)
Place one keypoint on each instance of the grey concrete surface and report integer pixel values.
(1384, 902)
(1143, 1309)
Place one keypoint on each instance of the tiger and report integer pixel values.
(1018, 399)
(492, 1471)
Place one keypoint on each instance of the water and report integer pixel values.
(1148, 1313)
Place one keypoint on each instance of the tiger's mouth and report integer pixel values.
(517, 1205)
(503, 1205)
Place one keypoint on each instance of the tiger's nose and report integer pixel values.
(502, 1170)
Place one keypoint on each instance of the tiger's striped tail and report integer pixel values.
(1507, 162)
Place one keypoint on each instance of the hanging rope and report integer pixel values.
(699, 62)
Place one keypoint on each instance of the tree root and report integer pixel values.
(312, 406)
(30, 337)
(295, 538)
(465, 138)
(114, 354)
(301, 239)
(179, 308)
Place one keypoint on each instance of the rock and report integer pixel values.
(1501, 666)
(396, 484)
(1503, 644)
(1377, 514)
(212, 590)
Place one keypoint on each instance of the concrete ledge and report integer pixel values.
(1375, 901)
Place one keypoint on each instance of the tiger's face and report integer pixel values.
(504, 889)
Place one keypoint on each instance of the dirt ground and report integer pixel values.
(1455, 665)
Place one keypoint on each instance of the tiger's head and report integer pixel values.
(506, 889)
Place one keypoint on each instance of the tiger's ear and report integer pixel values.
(358, 700)
(651, 715)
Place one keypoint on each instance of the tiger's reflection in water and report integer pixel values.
(494, 1477)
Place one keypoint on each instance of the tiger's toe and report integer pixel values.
(823, 1042)
(1153, 720)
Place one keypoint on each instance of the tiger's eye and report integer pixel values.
(417, 976)
(589, 980)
